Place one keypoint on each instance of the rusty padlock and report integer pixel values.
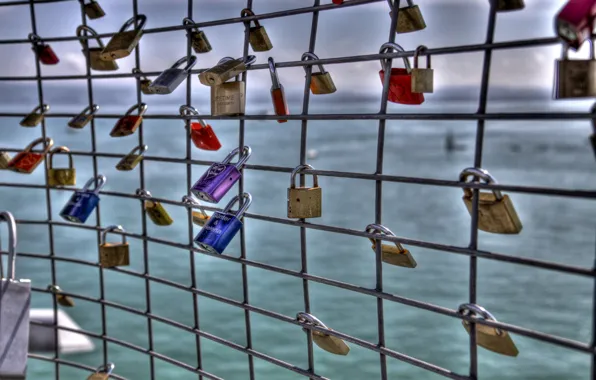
(400, 83)
(27, 160)
(321, 82)
(409, 18)
(128, 124)
(278, 95)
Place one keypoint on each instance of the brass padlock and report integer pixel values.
(62, 176)
(95, 61)
(132, 159)
(113, 254)
(61, 299)
(228, 98)
(509, 5)
(327, 342)
(575, 78)
(84, 117)
(496, 212)
(422, 79)
(93, 10)
(198, 39)
(491, 338)
(4, 160)
(409, 18)
(123, 42)
(321, 82)
(394, 255)
(102, 372)
(278, 94)
(34, 117)
(200, 218)
(304, 202)
(156, 212)
(144, 82)
(225, 69)
(257, 37)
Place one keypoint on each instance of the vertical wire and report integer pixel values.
(251, 368)
(593, 343)
(303, 141)
(47, 191)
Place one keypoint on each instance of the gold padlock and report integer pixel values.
(321, 82)
(422, 79)
(304, 202)
(144, 82)
(491, 338)
(61, 299)
(132, 159)
(113, 254)
(496, 213)
(225, 69)
(123, 42)
(93, 10)
(198, 39)
(409, 18)
(34, 117)
(102, 372)
(327, 342)
(257, 37)
(575, 78)
(84, 117)
(200, 218)
(156, 212)
(228, 98)
(510, 5)
(95, 60)
(4, 160)
(62, 176)
(394, 255)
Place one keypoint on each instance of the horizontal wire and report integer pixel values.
(67, 362)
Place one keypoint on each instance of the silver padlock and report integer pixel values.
(575, 78)
(15, 300)
(171, 78)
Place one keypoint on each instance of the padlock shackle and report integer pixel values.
(299, 169)
(565, 50)
(143, 193)
(419, 50)
(137, 71)
(191, 62)
(91, 31)
(247, 12)
(306, 56)
(61, 149)
(54, 289)
(48, 141)
(382, 230)
(224, 60)
(112, 228)
(190, 21)
(141, 149)
(192, 202)
(391, 3)
(131, 21)
(141, 107)
(107, 369)
(90, 110)
(273, 71)
(477, 312)
(482, 174)
(246, 151)
(42, 108)
(7, 217)
(307, 318)
(34, 38)
(188, 110)
(386, 47)
(247, 200)
(99, 182)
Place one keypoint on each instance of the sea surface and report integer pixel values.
(528, 153)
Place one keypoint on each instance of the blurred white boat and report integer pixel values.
(41, 338)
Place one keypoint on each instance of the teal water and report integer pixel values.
(529, 153)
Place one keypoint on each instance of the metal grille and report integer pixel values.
(241, 259)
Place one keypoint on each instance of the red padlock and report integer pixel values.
(128, 124)
(400, 84)
(575, 21)
(338, 2)
(278, 95)
(26, 161)
(201, 134)
(44, 52)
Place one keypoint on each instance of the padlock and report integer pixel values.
(4, 160)
(321, 82)
(257, 35)
(225, 69)
(327, 342)
(123, 42)
(201, 134)
(92, 9)
(84, 117)
(200, 218)
(44, 52)
(575, 78)
(394, 255)
(228, 99)
(409, 18)
(198, 39)
(154, 209)
(509, 5)
(338, 2)
(304, 202)
(132, 159)
(400, 84)
(496, 212)
(422, 79)
(113, 254)
(95, 60)
(27, 161)
(83, 202)
(61, 299)
(15, 301)
(220, 177)
(575, 21)
(222, 226)
(144, 82)
(102, 372)
(592, 136)
(171, 78)
(278, 95)
(62, 176)
(128, 124)
(490, 338)
(34, 118)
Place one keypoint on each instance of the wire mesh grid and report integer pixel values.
(242, 259)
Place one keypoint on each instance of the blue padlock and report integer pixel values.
(222, 226)
(82, 203)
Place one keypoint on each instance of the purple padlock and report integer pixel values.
(220, 177)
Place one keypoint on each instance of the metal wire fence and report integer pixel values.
(315, 333)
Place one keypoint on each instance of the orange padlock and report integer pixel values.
(128, 124)
(201, 134)
(400, 84)
(278, 95)
(26, 161)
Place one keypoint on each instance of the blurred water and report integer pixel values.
(531, 153)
